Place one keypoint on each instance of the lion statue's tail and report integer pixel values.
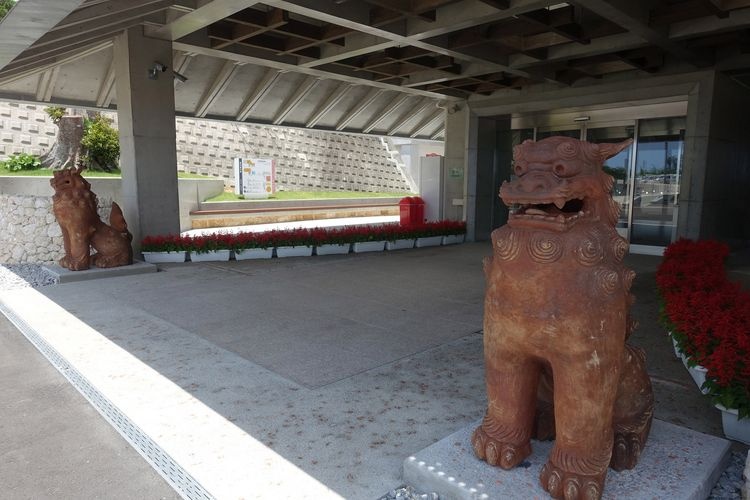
(117, 221)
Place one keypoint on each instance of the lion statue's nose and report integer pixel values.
(534, 182)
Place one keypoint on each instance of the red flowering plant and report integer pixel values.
(393, 232)
(709, 318)
(210, 242)
(438, 228)
(330, 236)
(298, 237)
(168, 243)
(244, 241)
(357, 234)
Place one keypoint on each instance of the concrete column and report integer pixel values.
(694, 165)
(146, 122)
(487, 157)
(716, 177)
(460, 156)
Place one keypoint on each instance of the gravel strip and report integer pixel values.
(14, 276)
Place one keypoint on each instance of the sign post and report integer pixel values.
(254, 177)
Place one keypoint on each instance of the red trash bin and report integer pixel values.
(417, 210)
(405, 210)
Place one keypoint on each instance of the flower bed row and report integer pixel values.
(709, 319)
(319, 238)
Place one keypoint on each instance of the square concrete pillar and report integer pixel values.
(146, 120)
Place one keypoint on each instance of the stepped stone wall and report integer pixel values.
(306, 160)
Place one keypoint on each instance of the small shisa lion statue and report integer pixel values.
(555, 323)
(75, 208)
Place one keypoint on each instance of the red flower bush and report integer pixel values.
(168, 243)
(709, 317)
(299, 237)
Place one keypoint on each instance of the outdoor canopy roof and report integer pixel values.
(387, 67)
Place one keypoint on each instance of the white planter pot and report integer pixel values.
(453, 239)
(368, 246)
(734, 428)
(300, 251)
(697, 372)
(333, 249)
(210, 256)
(253, 253)
(429, 241)
(677, 351)
(163, 257)
(399, 244)
(699, 376)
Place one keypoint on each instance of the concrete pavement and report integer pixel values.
(54, 444)
(332, 369)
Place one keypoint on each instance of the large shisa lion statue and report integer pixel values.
(556, 321)
(75, 208)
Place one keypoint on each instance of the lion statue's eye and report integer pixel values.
(567, 150)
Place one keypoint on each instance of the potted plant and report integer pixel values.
(252, 246)
(428, 234)
(210, 247)
(709, 321)
(367, 238)
(334, 241)
(297, 242)
(399, 237)
(161, 249)
(454, 232)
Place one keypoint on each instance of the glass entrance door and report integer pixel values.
(619, 167)
(658, 166)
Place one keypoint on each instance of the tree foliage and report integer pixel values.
(55, 113)
(5, 6)
(100, 143)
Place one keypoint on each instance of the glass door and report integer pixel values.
(619, 167)
(658, 166)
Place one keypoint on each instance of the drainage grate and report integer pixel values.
(170, 470)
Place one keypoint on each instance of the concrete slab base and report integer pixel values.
(67, 276)
(676, 463)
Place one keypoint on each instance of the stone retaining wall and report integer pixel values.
(306, 160)
(31, 233)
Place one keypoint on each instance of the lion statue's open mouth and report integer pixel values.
(560, 182)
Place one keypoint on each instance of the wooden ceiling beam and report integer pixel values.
(357, 109)
(560, 21)
(264, 22)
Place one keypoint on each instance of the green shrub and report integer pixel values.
(5, 6)
(100, 143)
(21, 161)
(55, 113)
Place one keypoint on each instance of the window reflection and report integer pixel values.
(657, 180)
(618, 167)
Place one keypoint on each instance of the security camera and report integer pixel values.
(160, 67)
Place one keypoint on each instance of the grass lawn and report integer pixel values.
(44, 172)
(310, 195)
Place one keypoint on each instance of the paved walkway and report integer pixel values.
(310, 377)
(54, 444)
